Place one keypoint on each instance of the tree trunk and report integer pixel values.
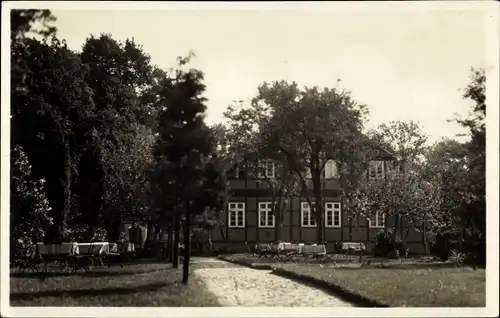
(394, 236)
(426, 240)
(187, 246)
(222, 234)
(277, 221)
(277, 231)
(175, 254)
(170, 244)
(318, 207)
(66, 188)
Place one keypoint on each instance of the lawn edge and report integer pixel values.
(246, 264)
(337, 290)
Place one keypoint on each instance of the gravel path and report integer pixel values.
(243, 286)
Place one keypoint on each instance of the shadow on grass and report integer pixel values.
(332, 289)
(90, 292)
(81, 273)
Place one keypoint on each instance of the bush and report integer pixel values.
(384, 245)
(444, 243)
(337, 247)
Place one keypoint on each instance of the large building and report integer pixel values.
(249, 220)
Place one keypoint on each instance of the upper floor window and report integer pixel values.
(266, 168)
(377, 220)
(308, 219)
(330, 170)
(394, 169)
(266, 216)
(376, 170)
(236, 214)
(333, 214)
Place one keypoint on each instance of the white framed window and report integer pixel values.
(333, 214)
(307, 218)
(377, 220)
(236, 214)
(266, 215)
(394, 169)
(376, 169)
(266, 168)
(330, 170)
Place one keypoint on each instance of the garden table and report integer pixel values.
(313, 250)
(56, 252)
(353, 246)
(93, 248)
(69, 248)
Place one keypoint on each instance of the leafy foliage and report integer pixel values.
(31, 21)
(402, 192)
(50, 106)
(29, 217)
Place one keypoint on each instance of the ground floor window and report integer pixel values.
(236, 214)
(266, 215)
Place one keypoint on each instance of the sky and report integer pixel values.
(402, 64)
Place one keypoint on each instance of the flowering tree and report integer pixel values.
(29, 210)
(401, 192)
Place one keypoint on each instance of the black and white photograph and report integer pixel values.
(246, 159)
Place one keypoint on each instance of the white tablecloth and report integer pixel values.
(93, 248)
(312, 249)
(287, 246)
(353, 246)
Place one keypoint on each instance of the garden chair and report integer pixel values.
(263, 250)
(25, 259)
(119, 257)
(82, 261)
(288, 251)
(315, 251)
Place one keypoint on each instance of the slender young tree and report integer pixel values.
(184, 146)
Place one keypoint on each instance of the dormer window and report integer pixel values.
(266, 168)
(330, 170)
(376, 170)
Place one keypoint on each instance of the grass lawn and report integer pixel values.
(412, 287)
(133, 285)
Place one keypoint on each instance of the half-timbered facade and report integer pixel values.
(249, 218)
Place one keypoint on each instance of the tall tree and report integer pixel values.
(474, 213)
(120, 75)
(50, 106)
(306, 128)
